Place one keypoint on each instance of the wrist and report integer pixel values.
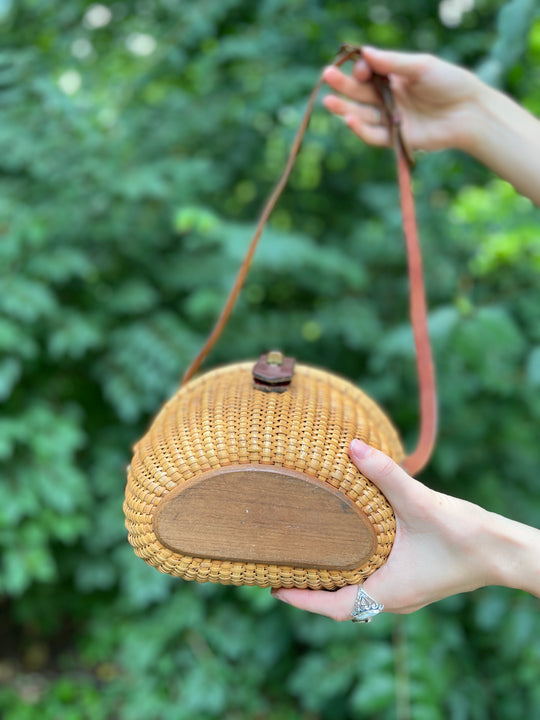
(505, 137)
(479, 112)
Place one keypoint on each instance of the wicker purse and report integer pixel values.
(244, 476)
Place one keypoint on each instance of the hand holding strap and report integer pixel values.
(414, 462)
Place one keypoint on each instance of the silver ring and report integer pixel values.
(378, 116)
(365, 607)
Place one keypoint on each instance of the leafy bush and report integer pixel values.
(137, 143)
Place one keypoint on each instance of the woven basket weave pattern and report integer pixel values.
(220, 420)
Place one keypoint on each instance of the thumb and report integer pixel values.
(384, 62)
(399, 487)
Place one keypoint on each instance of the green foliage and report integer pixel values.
(137, 145)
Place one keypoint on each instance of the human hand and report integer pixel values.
(443, 546)
(436, 99)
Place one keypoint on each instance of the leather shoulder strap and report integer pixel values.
(414, 462)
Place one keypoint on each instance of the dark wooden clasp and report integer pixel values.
(273, 372)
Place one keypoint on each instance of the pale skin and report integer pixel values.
(443, 545)
(442, 106)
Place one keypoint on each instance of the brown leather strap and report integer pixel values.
(270, 204)
(414, 462)
(420, 456)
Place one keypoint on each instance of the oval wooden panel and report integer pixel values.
(262, 514)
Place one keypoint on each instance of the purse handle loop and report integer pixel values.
(414, 462)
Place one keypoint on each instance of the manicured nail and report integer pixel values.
(359, 449)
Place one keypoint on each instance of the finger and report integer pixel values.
(412, 65)
(361, 71)
(360, 91)
(378, 135)
(371, 114)
(336, 605)
(399, 487)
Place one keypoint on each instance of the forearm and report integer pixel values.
(506, 138)
(512, 551)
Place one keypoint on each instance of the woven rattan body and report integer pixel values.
(220, 420)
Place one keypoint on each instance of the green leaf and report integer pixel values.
(26, 300)
(76, 336)
(533, 367)
(10, 372)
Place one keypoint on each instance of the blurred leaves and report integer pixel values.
(138, 142)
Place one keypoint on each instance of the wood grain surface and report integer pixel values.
(267, 515)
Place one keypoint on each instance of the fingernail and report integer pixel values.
(359, 449)
(277, 595)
